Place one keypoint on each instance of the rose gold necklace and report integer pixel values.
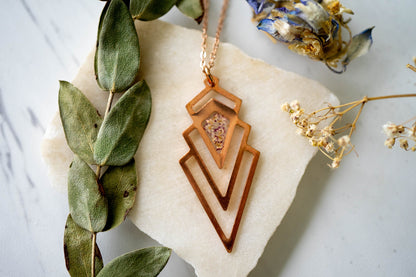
(215, 122)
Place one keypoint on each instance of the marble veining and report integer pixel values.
(43, 33)
(34, 120)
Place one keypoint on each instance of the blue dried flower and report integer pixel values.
(312, 28)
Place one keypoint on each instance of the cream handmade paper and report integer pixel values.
(166, 208)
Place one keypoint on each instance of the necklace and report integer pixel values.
(214, 112)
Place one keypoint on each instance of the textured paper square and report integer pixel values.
(166, 208)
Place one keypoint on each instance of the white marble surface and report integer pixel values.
(355, 221)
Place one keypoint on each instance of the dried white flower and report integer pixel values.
(294, 105)
(403, 133)
(313, 142)
(335, 162)
(344, 141)
(296, 116)
(411, 133)
(390, 142)
(329, 147)
(328, 131)
(300, 131)
(389, 129)
(310, 132)
(404, 144)
(285, 107)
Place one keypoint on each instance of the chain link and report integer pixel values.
(204, 64)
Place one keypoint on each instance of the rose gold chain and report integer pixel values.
(206, 66)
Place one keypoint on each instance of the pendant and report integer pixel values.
(219, 157)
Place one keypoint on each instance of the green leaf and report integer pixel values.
(123, 128)
(150, 9)
(77, 250)
(117, 58)
(191, 8)
(100, 24)
(120, 185)
(87, 203)
(146, 262)
(80, 121)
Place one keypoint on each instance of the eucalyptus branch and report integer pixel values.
(100, 201)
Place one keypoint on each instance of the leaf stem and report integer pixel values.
(98, 173)
(109, 102)
(94, 236)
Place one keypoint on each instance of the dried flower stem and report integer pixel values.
(328, 139)
(411, 67)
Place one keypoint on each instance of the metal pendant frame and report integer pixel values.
(199, 113)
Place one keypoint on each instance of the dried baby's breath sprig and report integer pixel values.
(312, 28)
(333, 139)
(402, 134)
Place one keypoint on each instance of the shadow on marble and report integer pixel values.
(127, 237)
(283, 242)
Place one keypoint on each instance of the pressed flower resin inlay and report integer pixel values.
(216, 127)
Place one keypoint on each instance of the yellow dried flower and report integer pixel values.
(390, 142)
(344, 141)
(335, 163)
(285, 107)
(404, 144)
